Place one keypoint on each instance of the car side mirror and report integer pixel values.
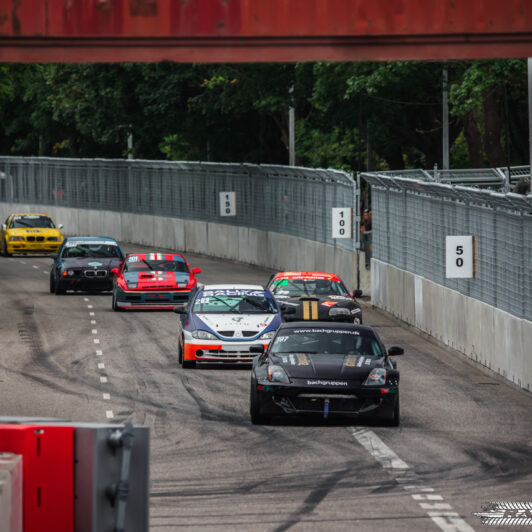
(395, 350)
(54, 255)
(60, 226)
(114, 271)
(180, 309)
(195, 271)
(357, 293)
(259, 349)
(4, 227)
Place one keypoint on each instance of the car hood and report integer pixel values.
(156, 280)
(33, 231)
(96, 263)
(232, 325)
(326, 366)
(328, 300)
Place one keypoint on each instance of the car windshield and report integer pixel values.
(138, 264)
(326, 341)
(308, 287)
(83, 250)
(234, 301)
(31, 220)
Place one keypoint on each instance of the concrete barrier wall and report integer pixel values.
(485, 334)
(252, 246)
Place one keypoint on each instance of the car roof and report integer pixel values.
(307, 275)
(156, 255)
(89, 238)
(232, 287)
(30, 214)
(325, 325)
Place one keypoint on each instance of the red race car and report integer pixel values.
(152, 281)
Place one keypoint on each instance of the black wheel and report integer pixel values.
(255, 410)
(116, 308)
(60, 290)
(4, 249)
(179, 353)
(395, 421)
(52, 284)
(186, 364)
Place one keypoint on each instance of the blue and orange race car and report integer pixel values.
(153, 281)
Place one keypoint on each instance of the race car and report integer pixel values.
(84, 263)
(30, 233)
(152, 281)
(221, 323)
(325, 369)
(315, 296)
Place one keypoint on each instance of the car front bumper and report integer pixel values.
(32, 247)
(277, 399)
(155, 300)
(221, 350)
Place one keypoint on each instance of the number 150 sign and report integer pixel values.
(459, 256)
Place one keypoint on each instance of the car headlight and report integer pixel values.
(339, 311)
(376, 377)
(277, 374)
(356, 310)
(16, 238)
(203, 335)
(54, 239)
(68, 273)
(132, 285)
(268, 335)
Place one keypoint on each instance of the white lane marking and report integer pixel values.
(109, 414)
(23, 262)
(85, 299)
(378, 449)
(36, 267)
(45, 272)
(101, 365)
(94, 331)
(107, 396)
(444, 516)
(89, 306)
(96, 341)
(103, 379)
(99, 353)
(91, 313)
(93, 322)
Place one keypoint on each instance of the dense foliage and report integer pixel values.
(348, 115)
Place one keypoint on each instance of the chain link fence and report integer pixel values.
(283, 199)
(411, 218)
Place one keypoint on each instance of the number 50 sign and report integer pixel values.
(459, 256)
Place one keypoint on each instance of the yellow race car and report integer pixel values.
(30, 233)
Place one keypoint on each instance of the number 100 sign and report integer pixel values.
(342, 222)
(459, 256)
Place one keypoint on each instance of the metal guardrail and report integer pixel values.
(412, 217)
(494, 178)
(291, 200)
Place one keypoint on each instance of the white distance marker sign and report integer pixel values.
(227, 203)
(342, 222)
(459, 257)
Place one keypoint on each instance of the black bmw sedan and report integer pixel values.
(325, 369)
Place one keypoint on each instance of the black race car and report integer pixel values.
(315, 296)
(84, 263)
(325, 369)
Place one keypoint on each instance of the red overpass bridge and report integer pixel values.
(262, 30)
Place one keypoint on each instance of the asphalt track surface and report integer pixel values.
(465, 436)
